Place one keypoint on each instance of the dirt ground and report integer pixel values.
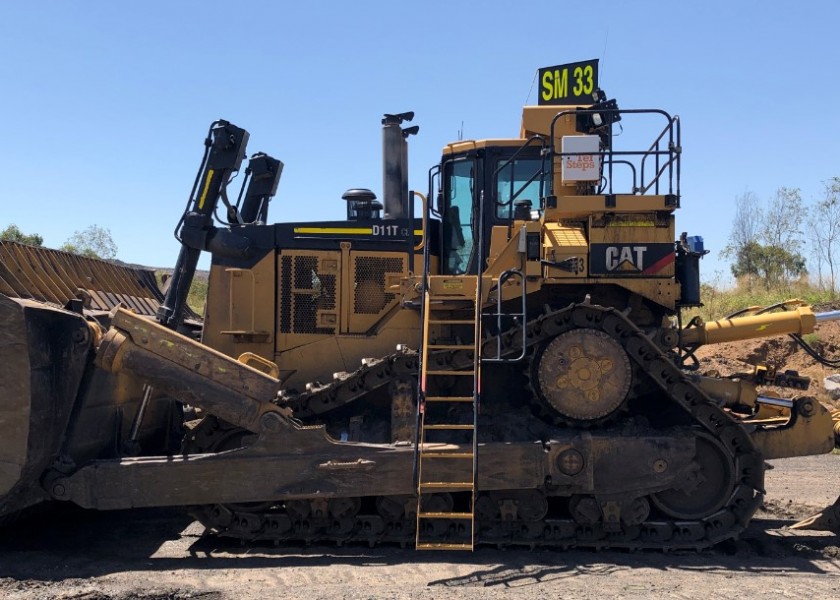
(160, 554)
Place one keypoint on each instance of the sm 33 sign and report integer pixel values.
(570, 84)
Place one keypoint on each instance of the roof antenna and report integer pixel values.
(461, 132)
(604, 55)
(533, 81)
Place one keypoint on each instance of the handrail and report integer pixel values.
(433, 172)
(412, 247)
(674, 151)
(424, 306)
(424, 201)
(499, 315)
(672, 154)
(477, 337)
(632, 170)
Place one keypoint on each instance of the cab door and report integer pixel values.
(459, 216)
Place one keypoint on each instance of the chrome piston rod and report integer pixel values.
(831, 315)
(774, 401)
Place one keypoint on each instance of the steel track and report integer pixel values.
(321, 523)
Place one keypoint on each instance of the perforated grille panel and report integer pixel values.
(371, 297)
(303, 292)
(286, 294)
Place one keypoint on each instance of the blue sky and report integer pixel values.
(106, 104)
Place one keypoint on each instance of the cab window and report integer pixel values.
(517, 180)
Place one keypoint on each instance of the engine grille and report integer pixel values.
(303, 292)
(370, 295)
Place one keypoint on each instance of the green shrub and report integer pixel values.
(720, 302)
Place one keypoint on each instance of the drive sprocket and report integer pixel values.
(583, 375)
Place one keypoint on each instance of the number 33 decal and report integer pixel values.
(584, 82)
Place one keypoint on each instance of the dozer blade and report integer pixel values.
(14, 402)
(56, 277)
(44, 351)
(43, 354)
(827, 520)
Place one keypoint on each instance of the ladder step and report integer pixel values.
(449, 398)
(445, 515)
(451, 322)
(446, 485)
(450, 346)
(449, 427)
(442, 546)
(450, 372)
(444, 299)
(425, 454)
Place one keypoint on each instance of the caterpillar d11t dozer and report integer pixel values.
(508, 366)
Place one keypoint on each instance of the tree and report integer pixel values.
(13, 233)
(93, 242)
(773, 265)
(743, 237)
(781, 226)
(824, 231)
(767, 244)
(746, 260)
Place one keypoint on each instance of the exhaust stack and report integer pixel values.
(395, 164)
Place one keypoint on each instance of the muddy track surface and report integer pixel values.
(161, 554)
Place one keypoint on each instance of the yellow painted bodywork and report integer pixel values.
(804, 430)
(330, 307)
(799, 321)
(239, 314)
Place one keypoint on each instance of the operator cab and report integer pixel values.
(499, 177)
(599, 196)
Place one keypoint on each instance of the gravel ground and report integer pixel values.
(160, 554)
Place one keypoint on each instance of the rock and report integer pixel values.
(832, 386)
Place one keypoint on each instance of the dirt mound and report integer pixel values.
(784, 354)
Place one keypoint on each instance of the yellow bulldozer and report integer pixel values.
(501, 360)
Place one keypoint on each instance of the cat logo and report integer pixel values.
(631, 260)
(627, 259)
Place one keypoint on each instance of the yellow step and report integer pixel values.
(451, 322)
(424, 454)
(449, 427)
(449, 398)
(450, 372)
(450, 346)
(445, 515)
(446, 485)
(442, 546)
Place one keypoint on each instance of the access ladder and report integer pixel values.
(449, 392)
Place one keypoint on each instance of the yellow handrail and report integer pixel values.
(422, 243)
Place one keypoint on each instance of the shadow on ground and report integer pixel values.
(75, 544)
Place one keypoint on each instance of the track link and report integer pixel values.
(324, 520)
